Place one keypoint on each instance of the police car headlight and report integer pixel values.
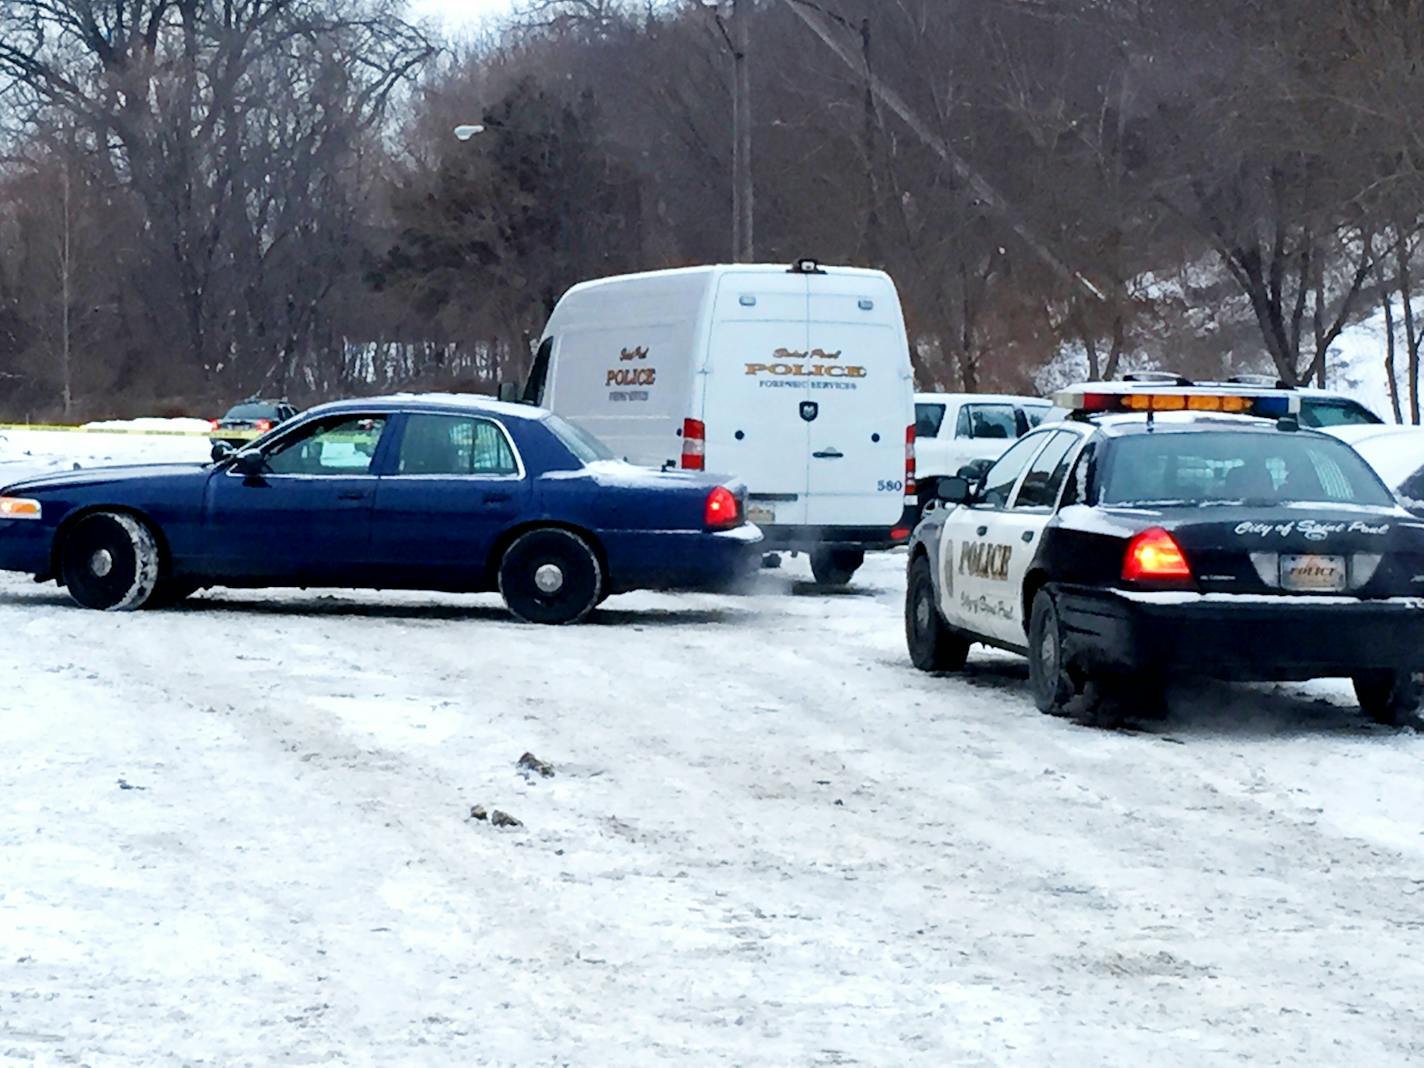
(19, 508)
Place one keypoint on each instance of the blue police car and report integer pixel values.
(1174, 532)
(436, 492)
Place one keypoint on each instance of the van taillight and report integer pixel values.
(1155, 556)
(911, 492)
(721, 510)
(694, 445)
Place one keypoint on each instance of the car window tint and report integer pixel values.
(1411, 491)
(1035, 413)
(253, 411)
(454, 445)
(1078, 488)
(578, 440)
(987, 421)
(1040, 485)
(1002, 476)
(928, 419)
(1315, 412)
(339, 447)
(1218, 467)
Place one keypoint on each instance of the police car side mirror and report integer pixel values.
(509, 392)
(953, 490)
(975, 470)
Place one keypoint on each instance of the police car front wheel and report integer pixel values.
(933, 646)
(1048, 673)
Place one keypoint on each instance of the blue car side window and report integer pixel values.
(453, 445)
(342, 447)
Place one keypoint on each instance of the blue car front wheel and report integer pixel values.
(551, 576)
(109, 561)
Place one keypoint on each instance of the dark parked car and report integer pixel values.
(418, 492)
(250, 419)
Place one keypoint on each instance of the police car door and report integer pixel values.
(977, 551)
(1021, 525)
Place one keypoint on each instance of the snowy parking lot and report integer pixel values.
(239, 831)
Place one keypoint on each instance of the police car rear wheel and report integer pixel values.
(933, 646)
(1388, 697)
(835, 567)
(1047, 666)
(109, 561)
(551, 576)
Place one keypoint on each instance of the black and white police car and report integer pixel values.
(1173, 532)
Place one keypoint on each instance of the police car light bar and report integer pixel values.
(1266, 405)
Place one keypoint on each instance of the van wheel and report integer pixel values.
(933, 646)
(550, 576)
(834, 567)
(1388, 697)
(109, 561)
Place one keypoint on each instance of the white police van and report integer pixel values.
(797, 381)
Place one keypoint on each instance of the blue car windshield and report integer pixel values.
(579, 441)
(1221, 467)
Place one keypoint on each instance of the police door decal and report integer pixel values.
(809, 411)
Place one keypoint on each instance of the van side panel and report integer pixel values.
(623, 361)
(857, 454)
(751, 403)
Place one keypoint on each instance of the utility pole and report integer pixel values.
(65, 272)
(737, 39)
(743, 193)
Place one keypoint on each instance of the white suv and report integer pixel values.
(953, 429)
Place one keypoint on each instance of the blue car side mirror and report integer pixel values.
(250, 462)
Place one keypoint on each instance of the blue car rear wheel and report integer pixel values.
(551, 576)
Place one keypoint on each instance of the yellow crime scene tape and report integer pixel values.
(140, 431)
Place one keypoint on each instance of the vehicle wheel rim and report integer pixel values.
(101, 563)
(1048, 654)
(922, 612)
(549, 578)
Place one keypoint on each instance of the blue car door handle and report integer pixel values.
(496, 498)
(351, 495)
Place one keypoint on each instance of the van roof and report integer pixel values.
(717, 270)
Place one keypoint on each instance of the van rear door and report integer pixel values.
(752, 404)
(864, 401)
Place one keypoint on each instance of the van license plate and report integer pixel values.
(761, 513)
(1319, 574)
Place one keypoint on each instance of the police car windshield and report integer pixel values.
(1221, 467)
(578, 441)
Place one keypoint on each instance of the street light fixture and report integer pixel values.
(465, 131)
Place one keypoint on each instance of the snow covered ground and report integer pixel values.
(238, 832)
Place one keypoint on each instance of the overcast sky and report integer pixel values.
(458, 14)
